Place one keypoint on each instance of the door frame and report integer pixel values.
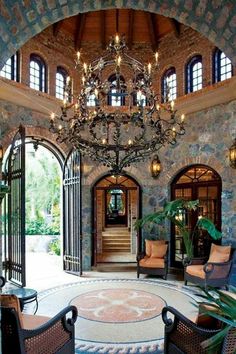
(194, 186)
(94, 188)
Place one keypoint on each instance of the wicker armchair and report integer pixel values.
(182, 336)
(154, 261)
(55, 336)
(211, 272)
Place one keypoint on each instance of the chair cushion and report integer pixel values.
(159, 251)
(149, 243)
(149, 262)
(32, 321)
(219, 254)
(12, 301)
(196, 271)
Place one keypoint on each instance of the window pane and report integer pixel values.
(34, 75)
(9, 71)
(225, 67)
(60, 83)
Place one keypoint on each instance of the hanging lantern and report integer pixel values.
(232, 155)
(155, 167)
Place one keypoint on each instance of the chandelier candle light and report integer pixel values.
(114, 122)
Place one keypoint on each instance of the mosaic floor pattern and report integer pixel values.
(118, 316)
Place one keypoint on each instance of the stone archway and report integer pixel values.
(216, 20)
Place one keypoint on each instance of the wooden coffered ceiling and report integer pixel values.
(99, 26)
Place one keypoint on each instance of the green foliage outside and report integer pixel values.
(55, 247)
(42, 192)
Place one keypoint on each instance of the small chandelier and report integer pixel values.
(114, 122)
(232, 155)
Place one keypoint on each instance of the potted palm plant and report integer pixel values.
(171, 212)
(222, 307)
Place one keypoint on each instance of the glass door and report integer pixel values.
(202, 183)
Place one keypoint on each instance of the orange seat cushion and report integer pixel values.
(159, 251)
(149, 262)
(219, 254)
(150, 243)
(13, 302)
(32, 321)
(196, 271)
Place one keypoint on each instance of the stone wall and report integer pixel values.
(208, 136)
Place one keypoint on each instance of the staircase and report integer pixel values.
(116, 239)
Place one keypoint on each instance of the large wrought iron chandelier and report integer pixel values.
(115, 122)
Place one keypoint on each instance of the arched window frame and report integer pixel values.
(139, 99)
(38, 82)
(169, 85)
(222, 66)
(61, 83)
(194, 78)
(113, 101)
(11, 68)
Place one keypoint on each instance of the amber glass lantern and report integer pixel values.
(232, 155)
(155, 167)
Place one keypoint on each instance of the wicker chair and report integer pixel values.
(49, 336)
(210, 272)
(182, 336)
(154, 261)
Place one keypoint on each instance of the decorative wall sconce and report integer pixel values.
(155, 167)
(232, 155)
(1, 153)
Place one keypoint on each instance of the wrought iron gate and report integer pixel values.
(14, 236)
(72, 237)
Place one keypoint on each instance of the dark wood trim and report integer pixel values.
(131, 29)
(56, 28)
(103, 28)
(175, 26)
(153, 31)
(80, 23)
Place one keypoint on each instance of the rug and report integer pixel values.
(119, 316)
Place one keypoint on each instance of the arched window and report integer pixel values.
(223, 68)
(169, 85)
(140, 99)
(91, 97)
(37, 73)
(116, 96)
(196, 182)
(11, 68)
(61, 76)
(194, 74)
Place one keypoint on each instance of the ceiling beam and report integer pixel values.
(56, 28)
(103, 28)
(131, 29)
(152, 30)
(175, 26)
(80, 22)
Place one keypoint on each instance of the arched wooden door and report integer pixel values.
(14, 211)
(72, 237)
(196, 182)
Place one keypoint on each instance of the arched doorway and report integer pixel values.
(116, 207)
(43, 200)
(196, 182)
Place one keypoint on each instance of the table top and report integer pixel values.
(22, 293)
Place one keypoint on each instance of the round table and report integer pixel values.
(25, 295)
